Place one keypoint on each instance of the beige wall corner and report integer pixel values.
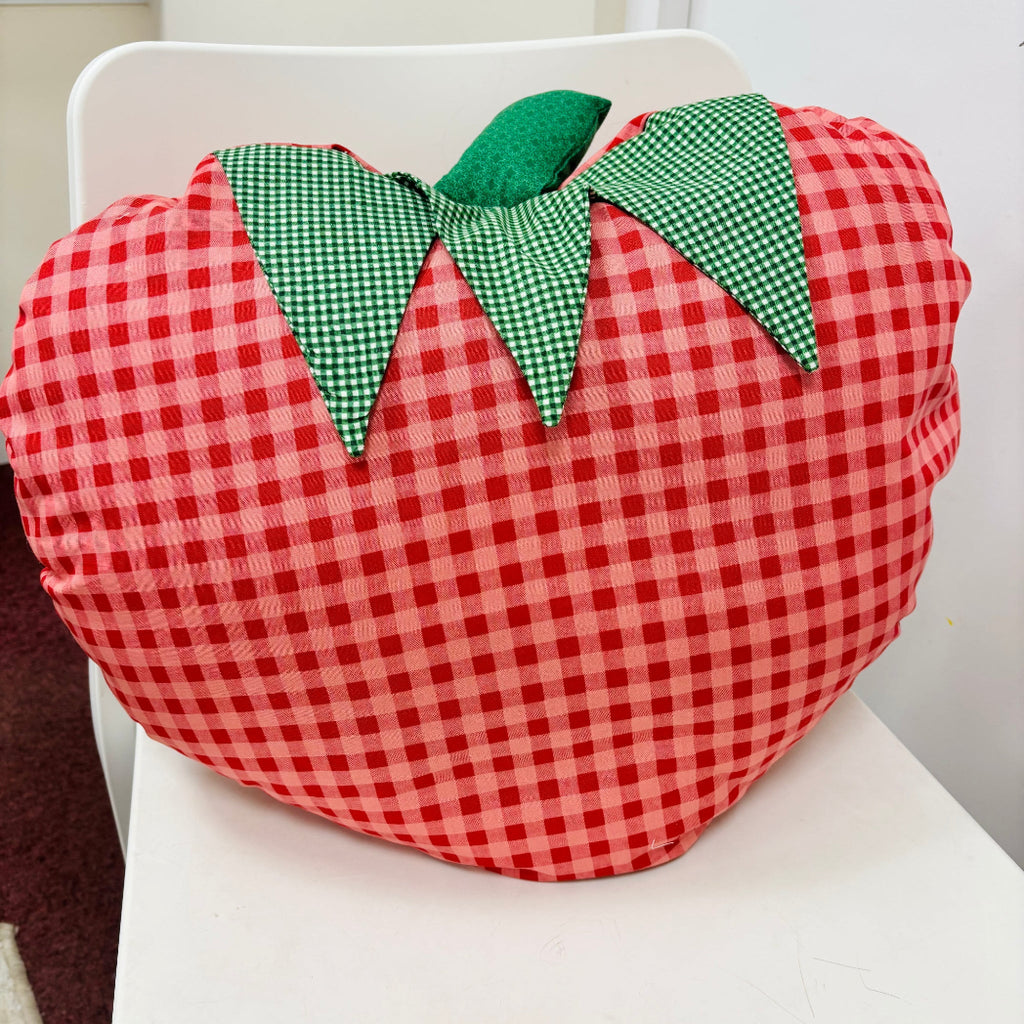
(609, 16)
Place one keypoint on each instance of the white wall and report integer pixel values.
(948, 77)
(364, 22)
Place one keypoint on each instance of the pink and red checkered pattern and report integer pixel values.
(551, 652)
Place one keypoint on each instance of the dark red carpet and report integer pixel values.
(60, 864)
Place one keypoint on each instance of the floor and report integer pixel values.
(61, 870)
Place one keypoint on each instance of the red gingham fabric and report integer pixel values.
(556, 653)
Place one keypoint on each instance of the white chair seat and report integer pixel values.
(847, 887)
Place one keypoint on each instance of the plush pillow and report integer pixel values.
(527, 535)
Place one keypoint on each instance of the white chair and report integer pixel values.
(847, 886)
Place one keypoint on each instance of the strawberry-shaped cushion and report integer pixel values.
(526, 535)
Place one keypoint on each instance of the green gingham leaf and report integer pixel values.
(528, 266)
(341, 248)
(714, 179)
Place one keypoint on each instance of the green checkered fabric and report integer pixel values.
(715, 181)
(528, 266)
(342, 246)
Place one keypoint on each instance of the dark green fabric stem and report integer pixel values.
(531, 147)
